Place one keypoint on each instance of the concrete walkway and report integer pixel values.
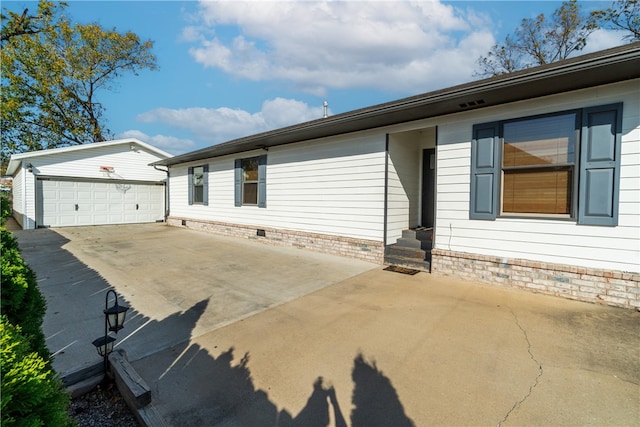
(236, 333)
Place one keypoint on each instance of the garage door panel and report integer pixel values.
(116, 218)
(116, 197)
(84, 219)
(131, 196)
(65, 208)
(100, 195)
(68, 185)
(66, 195)
(101, 218)
(84, 196)
(97, 203)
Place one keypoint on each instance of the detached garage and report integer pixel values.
(107, 182)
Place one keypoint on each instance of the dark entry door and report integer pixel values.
(428, 186)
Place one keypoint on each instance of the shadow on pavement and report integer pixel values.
(75, 297)
(190, 387)
(375, 400)
(144, 336)
(201, 389)
(74, 294)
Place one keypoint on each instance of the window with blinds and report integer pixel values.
(538, 164)
(559, 165)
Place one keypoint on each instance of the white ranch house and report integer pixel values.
(528, 180)
(108, 182)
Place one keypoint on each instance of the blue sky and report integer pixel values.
(231, 69)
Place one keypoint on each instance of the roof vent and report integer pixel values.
(472, 103)
(325, 105)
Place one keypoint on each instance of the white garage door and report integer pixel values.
(66, 203)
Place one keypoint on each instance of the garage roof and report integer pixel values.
(608, 66)
(17, 159)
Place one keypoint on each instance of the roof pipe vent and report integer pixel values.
(325, 105)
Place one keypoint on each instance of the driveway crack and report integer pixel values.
(538, 376)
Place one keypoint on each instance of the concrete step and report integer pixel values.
(415, 243)
(408, 262)
(84, 386)
(409, 243)
(420, 234)
(405, 252)
(82, 380)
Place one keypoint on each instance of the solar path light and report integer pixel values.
(114, 317)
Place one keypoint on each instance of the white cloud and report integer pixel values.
(168, 143)
(215, 125)
(603, 39)
(399, 46)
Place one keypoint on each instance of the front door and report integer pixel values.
(428, 186)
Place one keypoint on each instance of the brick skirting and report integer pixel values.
(614, 288)
(367, 250)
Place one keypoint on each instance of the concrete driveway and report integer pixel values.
(179, 283)
(236, 333)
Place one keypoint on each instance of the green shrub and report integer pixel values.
(21, 301)
(5, 207)
(31, 394)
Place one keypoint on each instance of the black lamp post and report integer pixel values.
(113, 321)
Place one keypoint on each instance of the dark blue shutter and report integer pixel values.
(190, 184)
(262, 181)
(600, 165)
(485, 171)
(205, 185)
(238, 182)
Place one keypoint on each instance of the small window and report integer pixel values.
(198, 185)
(251, 181)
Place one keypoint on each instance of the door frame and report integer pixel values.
(428, 188)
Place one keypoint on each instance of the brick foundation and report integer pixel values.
(613, 288)
(367, 250)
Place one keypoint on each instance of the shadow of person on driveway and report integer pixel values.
(316, 411)
(192, 388)
(375, 400)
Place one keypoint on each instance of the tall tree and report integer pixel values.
(623, 15)
(540, 40)
(15, 24)
(51, 79)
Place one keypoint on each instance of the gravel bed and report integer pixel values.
(102, 407)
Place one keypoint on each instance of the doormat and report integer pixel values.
(403, 270)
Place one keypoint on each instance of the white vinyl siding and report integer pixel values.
(17, 194)
(334, 187)
(127, 164)
(29, 202)
(545, 240)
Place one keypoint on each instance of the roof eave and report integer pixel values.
(16, 159)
